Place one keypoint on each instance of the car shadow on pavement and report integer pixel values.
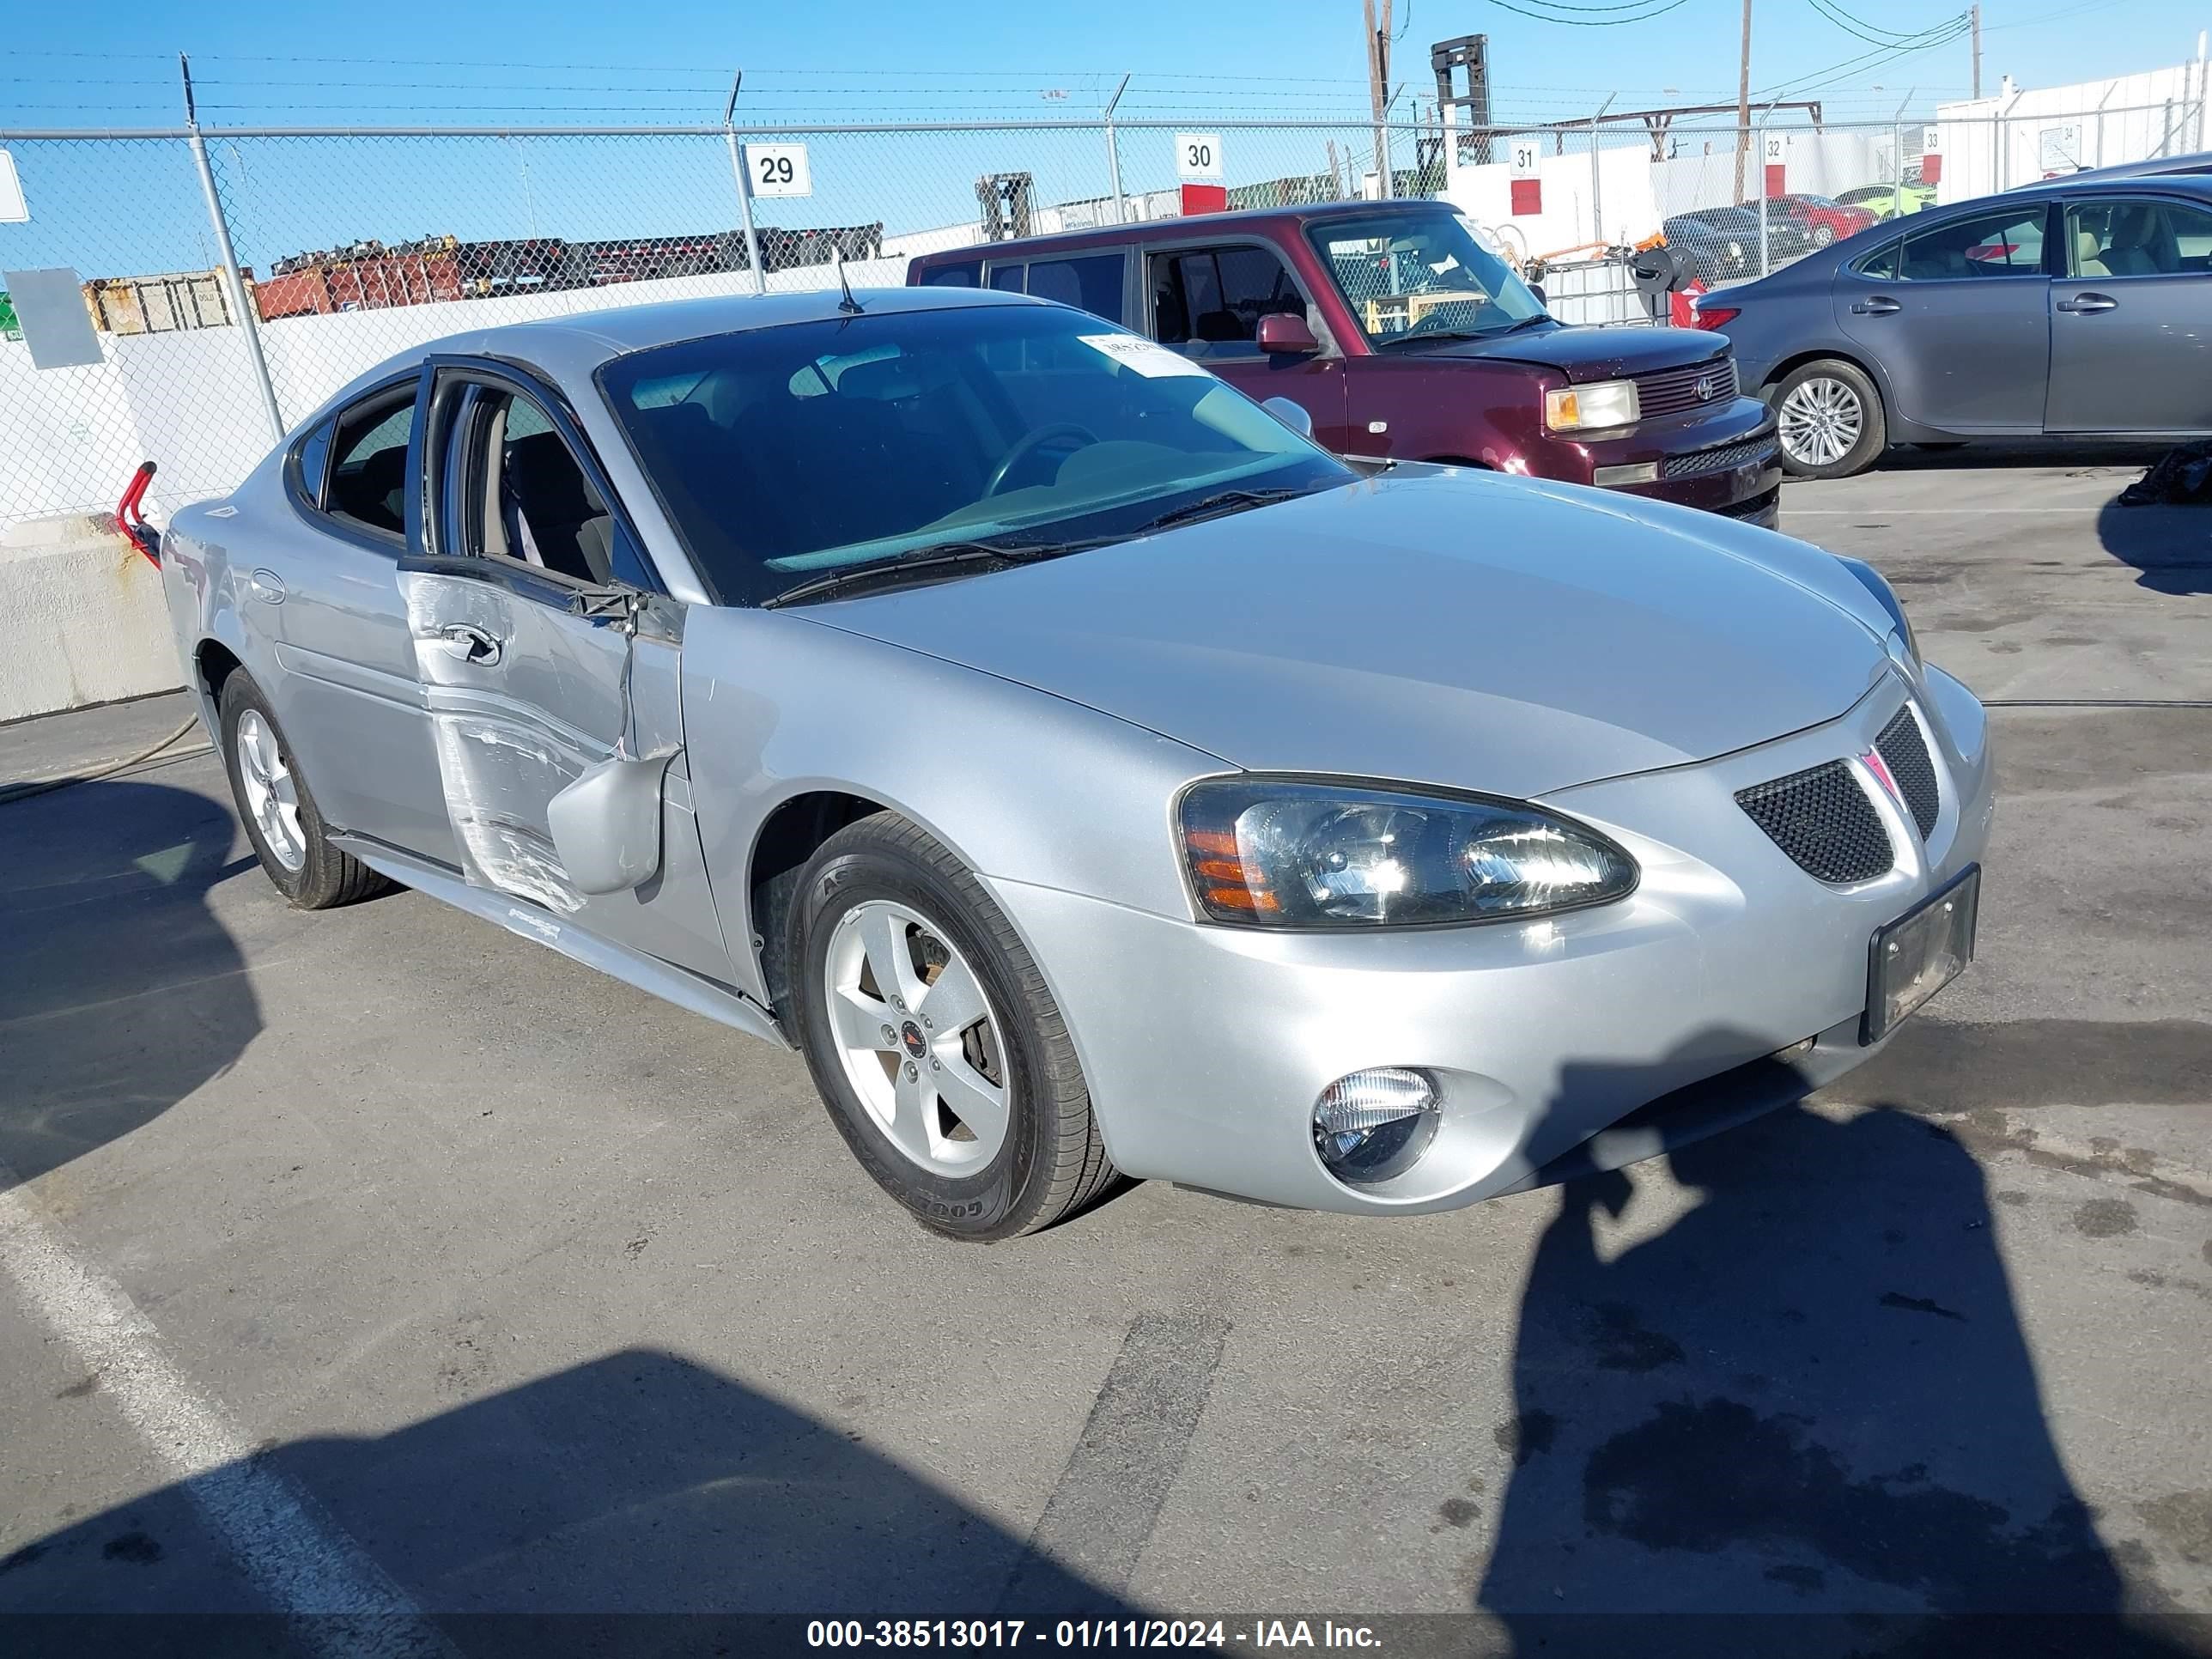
(2170, 547)
(1800, 1418)
(640, 1503)
(120, 993)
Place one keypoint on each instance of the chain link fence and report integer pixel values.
(237, 277)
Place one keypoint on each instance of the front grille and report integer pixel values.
(1722, 460)
(1904, 752)
(1671, 391)
(1822, 818)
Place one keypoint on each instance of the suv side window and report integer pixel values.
(966, 274)
(1089, 282)
(2130, 236)
(2005, 243)
(1207, 302)
(366, 485)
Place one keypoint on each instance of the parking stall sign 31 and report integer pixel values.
(778, 170)
(1524, 179)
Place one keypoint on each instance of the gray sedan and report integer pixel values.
(1090, 777)
(2080, 309)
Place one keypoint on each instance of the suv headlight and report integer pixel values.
(1589, 408)
(1873, 581)
(1288, 852)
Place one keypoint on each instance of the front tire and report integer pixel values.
(280, 816)
(1830, 419)
(936, 1045)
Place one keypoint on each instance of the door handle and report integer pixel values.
(2082, 302)
(1880, 305)
(469, 644)
(267, 586)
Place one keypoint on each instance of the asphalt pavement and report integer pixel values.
(380, 1263)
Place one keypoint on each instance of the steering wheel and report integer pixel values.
(1027, 445)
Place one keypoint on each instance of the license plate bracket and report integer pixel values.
(1913, 957)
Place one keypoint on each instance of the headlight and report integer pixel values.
(1872, 580)
(1587, 408)
(1281, 853)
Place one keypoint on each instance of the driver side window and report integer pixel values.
(1207, 302)
(526, 498)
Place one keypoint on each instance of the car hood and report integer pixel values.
(1584, 354)
(1427, 626)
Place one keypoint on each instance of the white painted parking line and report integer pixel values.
(339, 1601)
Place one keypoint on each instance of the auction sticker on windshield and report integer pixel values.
(1154, 362)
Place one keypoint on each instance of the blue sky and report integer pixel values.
(412, 61)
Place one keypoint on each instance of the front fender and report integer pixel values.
(1019, 785)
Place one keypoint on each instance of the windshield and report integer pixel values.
(784, 453)
(1406, 275)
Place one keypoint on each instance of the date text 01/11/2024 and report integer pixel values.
(953, 1634)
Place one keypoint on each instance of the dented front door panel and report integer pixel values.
(523, 698)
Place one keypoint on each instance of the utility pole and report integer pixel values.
(1743, 102)
(1975, 12)
(1378, 90)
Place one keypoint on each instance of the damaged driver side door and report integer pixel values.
(550, 663)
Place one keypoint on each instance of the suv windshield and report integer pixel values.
(785, 454)
(1412, 275)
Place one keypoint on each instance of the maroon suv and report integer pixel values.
(1405, 337)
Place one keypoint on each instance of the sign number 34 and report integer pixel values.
(778, 170)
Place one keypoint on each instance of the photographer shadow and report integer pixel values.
(1808, 1395)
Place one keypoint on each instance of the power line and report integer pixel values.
(1590, 22)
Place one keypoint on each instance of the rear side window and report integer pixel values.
(367, 482)
(2007, 243)
(1006, 279)
(966, 274)
(1881, 264)
(1207, 302)
(1092, 282)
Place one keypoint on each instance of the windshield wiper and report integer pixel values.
(924, 563)
(1214, 506)
(1397, 340)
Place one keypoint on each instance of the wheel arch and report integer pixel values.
(790, 833)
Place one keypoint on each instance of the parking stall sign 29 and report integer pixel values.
(778, 170)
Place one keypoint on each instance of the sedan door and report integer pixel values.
(326, 593)
(2131, 319)
(1957, 318)
(544, 651)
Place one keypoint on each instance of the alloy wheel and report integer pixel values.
(1821, 420)
(272, 795)
(918, 1038)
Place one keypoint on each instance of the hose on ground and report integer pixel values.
(13, 792)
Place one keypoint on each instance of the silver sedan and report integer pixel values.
(1091, 777)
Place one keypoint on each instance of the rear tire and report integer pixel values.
(288, 832)
(881, 894)
(1830, 419)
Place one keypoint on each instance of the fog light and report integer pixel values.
(1371, 1125)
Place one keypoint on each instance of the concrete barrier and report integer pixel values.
(87, 623)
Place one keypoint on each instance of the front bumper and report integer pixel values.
(1722, 460)
(1204, 1046)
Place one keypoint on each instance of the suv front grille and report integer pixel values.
(1904, 752)
(1718, 460)
(1671, 391)
(1823, 820)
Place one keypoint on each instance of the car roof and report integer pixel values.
(2156, 166)
(2101, 183)
(1180, 228)
(570, 349)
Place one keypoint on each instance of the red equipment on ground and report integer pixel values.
(131, 522)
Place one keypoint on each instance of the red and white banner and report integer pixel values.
(1931, 155)
(1525, 183)
(1777, 165)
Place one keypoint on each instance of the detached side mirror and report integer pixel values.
(1537, 289)
(1282, 333)
(1293, 416)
